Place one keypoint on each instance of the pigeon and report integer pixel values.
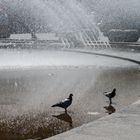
(110, 95)
(64, 103)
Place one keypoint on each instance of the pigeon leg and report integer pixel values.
(110, 101)
(65, 110)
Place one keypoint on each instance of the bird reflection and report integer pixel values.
(65, 117)
(110, 109)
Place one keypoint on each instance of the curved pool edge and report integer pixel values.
(110, 54)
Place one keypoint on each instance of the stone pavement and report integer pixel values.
(123, 125)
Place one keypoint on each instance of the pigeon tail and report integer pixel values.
(54, 105)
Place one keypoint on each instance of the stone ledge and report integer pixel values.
(124, 125)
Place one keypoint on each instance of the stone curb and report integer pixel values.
(124, 125)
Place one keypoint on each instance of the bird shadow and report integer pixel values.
(64, 117)
(110, 109)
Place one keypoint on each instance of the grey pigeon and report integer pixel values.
(110, 95)
(64, 103)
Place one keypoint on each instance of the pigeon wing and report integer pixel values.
(63, 103)
(107, 94)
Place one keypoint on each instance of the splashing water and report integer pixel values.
(70, 19)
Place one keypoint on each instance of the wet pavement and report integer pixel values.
(123, 125)
(32, 80)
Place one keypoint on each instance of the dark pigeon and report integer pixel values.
(64, 103)
(110, 95)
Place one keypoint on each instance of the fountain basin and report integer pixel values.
(31, 81)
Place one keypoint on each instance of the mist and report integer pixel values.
(119, 10)
(51, 15)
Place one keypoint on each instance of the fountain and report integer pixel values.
(32, 79)
(70, 20)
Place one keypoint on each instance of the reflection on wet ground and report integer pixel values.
(110, 109)
(27, 96)
(65, 117)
